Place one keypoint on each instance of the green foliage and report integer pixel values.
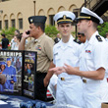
(51, 31)
(9, 47)
(103, 29)
(73, 33)
(8, 32)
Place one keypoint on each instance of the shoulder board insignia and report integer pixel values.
(98, 38)
(75, 40)
(56, 54)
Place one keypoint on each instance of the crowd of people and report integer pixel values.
(76, 72)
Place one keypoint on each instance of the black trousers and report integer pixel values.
(40, 89)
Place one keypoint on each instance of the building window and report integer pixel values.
(6, 24)
(51, 21)
(20, 23)
(0, 25)
(76, 14)
(13, 23)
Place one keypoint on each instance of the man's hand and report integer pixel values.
(45, 82)
(57, 70)
(49, 75)
(70, 70)
(25, 35)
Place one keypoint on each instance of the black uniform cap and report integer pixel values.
(37, 19)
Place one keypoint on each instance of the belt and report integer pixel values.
(62, 78)
(84, 80)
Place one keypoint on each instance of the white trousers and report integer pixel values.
(104, 91)
(92, 96)
(70, 92)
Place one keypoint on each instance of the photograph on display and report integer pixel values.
(29, 74)
(11, 68)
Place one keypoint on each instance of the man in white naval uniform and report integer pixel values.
(92, 60)
(69, 87)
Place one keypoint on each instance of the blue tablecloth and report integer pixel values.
(15, 99)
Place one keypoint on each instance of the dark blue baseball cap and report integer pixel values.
(37, 19)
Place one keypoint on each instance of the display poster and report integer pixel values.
(11, 67)
(29, 79)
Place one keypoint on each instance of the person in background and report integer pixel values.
(57, 39)
(12, 43)
(81, 37)
(69, 87)
(106, 36)
(17, 32)
(5, 42)
(17, 39)
(43, 45)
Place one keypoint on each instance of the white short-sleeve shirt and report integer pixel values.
(94, 54)
(66, 53)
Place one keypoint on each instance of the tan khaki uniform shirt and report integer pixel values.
(44, 48)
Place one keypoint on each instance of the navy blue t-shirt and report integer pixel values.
(5, 43)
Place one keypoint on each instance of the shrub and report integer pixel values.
(9, 33)
(51, 31)
(103, 29)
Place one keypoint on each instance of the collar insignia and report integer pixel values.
(56, 54)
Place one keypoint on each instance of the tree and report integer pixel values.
(103, 29)
(51, 31)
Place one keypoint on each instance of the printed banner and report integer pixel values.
(11, 68)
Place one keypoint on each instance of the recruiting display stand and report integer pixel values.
(19, 69)
(29, 74)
